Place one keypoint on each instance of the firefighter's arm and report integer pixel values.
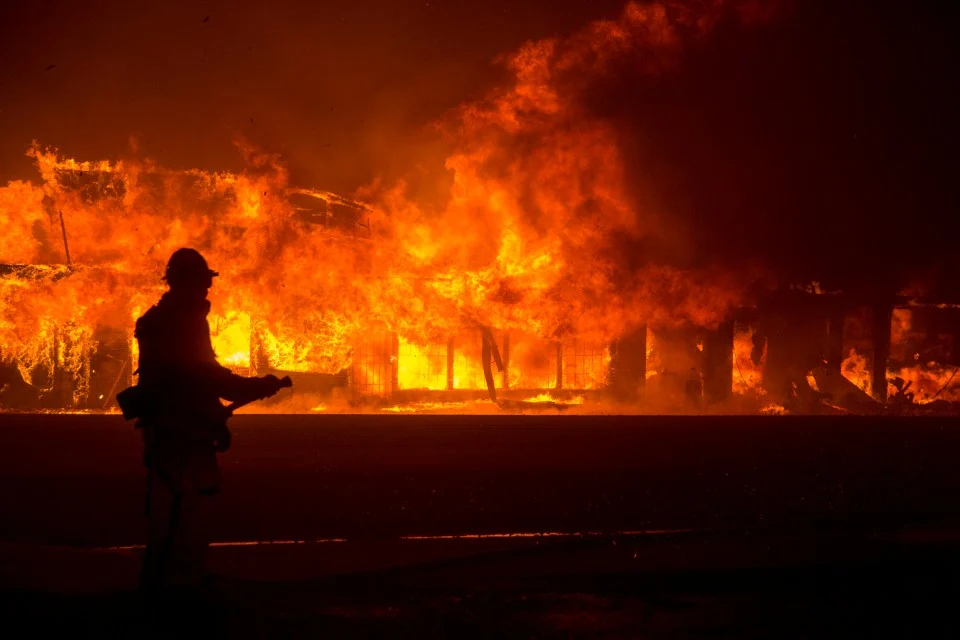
(228, 385)
(235, 388)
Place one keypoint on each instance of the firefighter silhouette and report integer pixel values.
(183, 423)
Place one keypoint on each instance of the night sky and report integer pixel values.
(820, 146)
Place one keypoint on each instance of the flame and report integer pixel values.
(422, 367)
(774, 409)
(529, 243)
(858, 370)
(928, 379)
(547, 398)
(231, 338)
(422, 407)
(654, 364)
(748, 375)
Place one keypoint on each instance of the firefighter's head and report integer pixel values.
(187, 270)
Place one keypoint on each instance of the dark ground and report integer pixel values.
(792, 527)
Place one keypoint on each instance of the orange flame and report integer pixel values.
(529, 243)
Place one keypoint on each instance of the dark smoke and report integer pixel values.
(819, 145)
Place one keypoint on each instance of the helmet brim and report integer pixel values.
(210, 272)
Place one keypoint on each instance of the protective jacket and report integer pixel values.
(182, 384)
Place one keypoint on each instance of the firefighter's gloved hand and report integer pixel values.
(270, 385)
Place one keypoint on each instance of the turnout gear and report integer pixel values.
(184, 424)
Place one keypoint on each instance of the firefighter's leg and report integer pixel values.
(203, 481)
(191, 541)
(187, 561)
(160, 511)
(181, 545)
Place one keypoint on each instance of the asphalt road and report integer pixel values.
(77, 479)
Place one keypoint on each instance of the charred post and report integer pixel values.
(628, 365)
(718, 363)
(489, 354)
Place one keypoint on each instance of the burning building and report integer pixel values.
(75, 352)
(541, 277)
(68, 343)
(311, 289)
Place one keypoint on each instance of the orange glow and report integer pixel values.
(747, 376)
(857, 370)
(547, 398)
(467, 364)
(386, 291)
(928, 380)
(533, 363)
(774, 409)
(422, 367)
(439, 407)
(654, 365)
(231, 338)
